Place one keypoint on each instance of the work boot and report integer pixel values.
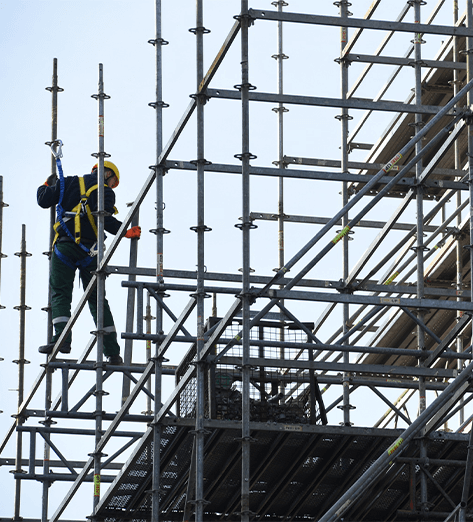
(116, 360)
(66, 345)
(48, 348)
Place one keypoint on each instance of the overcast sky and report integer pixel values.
(82, 34)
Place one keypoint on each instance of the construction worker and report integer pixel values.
(75, 245)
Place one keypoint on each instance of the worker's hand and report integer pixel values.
(51, 181)
(133, 233)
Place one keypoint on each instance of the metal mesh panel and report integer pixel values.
(276, 394)
(293, 474)
(131, 495)
(178, 464)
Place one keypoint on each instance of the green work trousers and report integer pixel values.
(62, 282)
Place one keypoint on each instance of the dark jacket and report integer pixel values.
(49, 196)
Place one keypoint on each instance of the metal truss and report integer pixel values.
(247, 432)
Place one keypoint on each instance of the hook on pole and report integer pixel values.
(57, 153)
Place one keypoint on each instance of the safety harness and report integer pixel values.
(81, 209)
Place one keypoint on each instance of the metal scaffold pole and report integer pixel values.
(158, 105)
(419, 248)
(280, 110)
(97, 455)
(21, 361)
(457, 164)
(469, 65)
(200, 295)
(54, 89)
(344, 119)
(245, 226)
(130, 308)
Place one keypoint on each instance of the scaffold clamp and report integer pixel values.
(468, 116)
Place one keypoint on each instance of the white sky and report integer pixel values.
(82, 34)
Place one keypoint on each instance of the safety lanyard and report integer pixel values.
(59, 210)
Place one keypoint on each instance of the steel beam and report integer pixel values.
(314, 101)
(402, 62)
(378, 25)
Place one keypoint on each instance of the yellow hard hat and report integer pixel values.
(111, 166)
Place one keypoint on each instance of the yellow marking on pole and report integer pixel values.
(343, 508)
(392, 278)
(395, 446)
(96, 485)
(339, 236)
(237, 337)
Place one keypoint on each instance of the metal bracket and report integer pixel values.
(201, 30)
(158, 41)
(157, 104)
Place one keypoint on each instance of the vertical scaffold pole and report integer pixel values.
(54, 89)
(200, 229)
(280, 110)
(130, 307)
(469, 101)
(458, 166)
(246, 225)
(420, 236)
(158, 105)
(344, 118)
(459, 250)
(101, 96)
(23, 254)
(148, 319)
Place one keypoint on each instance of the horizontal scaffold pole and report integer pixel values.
(327, 175)
(368, 286)
(316, 101)
(339, 21)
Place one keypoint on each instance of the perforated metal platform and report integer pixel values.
(295, 475)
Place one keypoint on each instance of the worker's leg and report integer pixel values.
(61, 281)
(110, 344)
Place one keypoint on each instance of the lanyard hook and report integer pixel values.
(57, 153)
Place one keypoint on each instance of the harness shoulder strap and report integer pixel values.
(78, 208)
(87, 208)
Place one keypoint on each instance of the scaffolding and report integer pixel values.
(269, 413)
